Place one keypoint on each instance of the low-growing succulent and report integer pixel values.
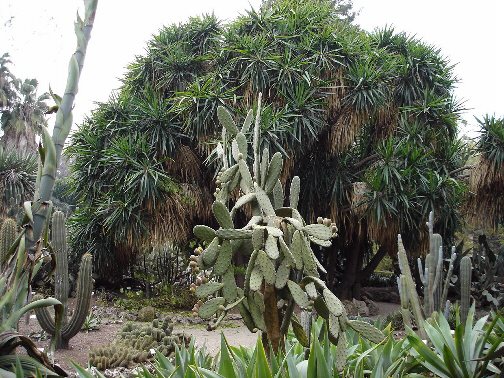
(136, 343)
(282, 269)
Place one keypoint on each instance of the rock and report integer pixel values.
(372, 306)
(361, 307)
(146, 314)
(382, 294)
(349, 307)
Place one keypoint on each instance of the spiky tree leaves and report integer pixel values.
(345, 108)
(486, 206)
(22, 110)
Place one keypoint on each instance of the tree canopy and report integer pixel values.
(22, 110)
(367, 120)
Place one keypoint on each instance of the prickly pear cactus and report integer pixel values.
(282, 269)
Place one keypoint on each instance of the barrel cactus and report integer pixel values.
(282, 269)
(61, 287)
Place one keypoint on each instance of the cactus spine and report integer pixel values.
(282, 270)
(465, 287)
(84, 287)
(7, 239)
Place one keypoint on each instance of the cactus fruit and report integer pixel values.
(279, 242)
(84, 287)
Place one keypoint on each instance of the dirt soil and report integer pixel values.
(235, 332)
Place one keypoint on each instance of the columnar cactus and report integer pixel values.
(7, 238)
(465, 287)
(61, 286)
(282, 269)
(435, 287)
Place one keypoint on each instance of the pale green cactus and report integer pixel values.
(282, 270)
(435, 287)
(465, 287)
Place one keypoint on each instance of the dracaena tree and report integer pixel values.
(368, 121)
(486, 180)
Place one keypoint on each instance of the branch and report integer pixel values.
(371, 266)
(461, 169)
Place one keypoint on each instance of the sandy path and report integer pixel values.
(236, 335)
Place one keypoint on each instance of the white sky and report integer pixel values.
(39, 37)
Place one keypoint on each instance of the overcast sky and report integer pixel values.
(39, 37)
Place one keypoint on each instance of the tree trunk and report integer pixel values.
(272, 336)
(353, 263)
(22, 141)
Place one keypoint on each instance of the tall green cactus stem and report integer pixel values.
(403, 294)
(410, 286)
(7, 239)
(465, 287)
(53, 146)
(84, 290)
(435, 287)
(282, 270)
(59, 245)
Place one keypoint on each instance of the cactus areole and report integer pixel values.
(282, 269)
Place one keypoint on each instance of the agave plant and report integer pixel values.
(461, 353)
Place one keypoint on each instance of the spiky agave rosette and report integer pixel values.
(282, 269)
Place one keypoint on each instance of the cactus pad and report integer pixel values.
(333, 303)
(298, 294)
(210, 307)
(267, 267)
(209, 255)
(299, 332)
(282, 275)
(367, 330)
(229, 289)
(207, 289)
(318, 231)
(224, 258)
(226, 120)
(256, 279)
(222, 215)
(274, 170)
(204, 233)
(295, 188)
(232, 234)
(271, 247)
